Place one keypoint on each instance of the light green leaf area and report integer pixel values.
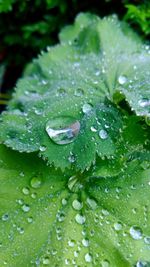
(97, 59)
(52, 219)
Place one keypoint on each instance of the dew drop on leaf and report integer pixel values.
(103, 134)
(86, 108)
(42, 148)
(117, 226)
(80, 219)
(77, 205)
(85, 242)
(91, 203)
(144, 102)
(25, 190)
(122, 79)
(71, 243)
(25, 208)
(136, 232)
(46, 261)
(105, 263)
(61, 132)
(142, 264)
(5, 217)
(88, 257)
(35, 182)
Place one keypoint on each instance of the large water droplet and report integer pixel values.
(62, 130)
(142, 264)
(103, 134)
(80, 219)
(136, 232)
(35, 182)
(122, 79)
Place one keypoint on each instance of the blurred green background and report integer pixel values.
(27, 27)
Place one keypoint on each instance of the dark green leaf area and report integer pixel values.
(52, 219)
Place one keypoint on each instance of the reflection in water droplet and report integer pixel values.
(35, 182)
(144, 102)
(88, 257)
(122, 80)
(62, 134)
(103, 134)
(77, 205)
(86, 108)
(25, 191)
(80, 219)
(136, 232)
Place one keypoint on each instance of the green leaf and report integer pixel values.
(48, 218)
(84, 70)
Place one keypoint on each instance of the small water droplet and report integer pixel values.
(122, 79)
(88, 257)
(25, 208)
(86, 108)
(136, 232)
(117, 226)
(93, 129)
(105, 263)
(25, 190)
(64, 202)
(92, 203)
(80, 219)
(72, 158)
(60, 133)
(42, 148)
(144, 102)
(85, 242)
(103, 134)
(46, 261)
(71, 243)
(36, 182)
(77, 205)
(5, 217)
(142, 264)
(79, 92)
(30, 219)
(147, 240)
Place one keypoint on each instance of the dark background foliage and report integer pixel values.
(27, 27)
